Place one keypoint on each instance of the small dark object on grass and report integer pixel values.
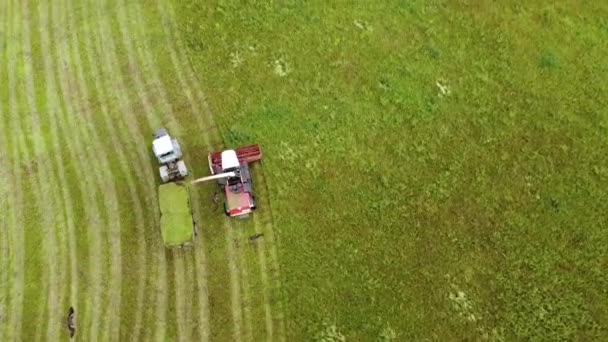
(555, 204)
(253, 237)
(71, 326)
(216, 200)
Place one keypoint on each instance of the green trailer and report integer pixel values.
(177, 225)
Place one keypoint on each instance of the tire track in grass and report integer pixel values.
(16, 238)
(123, 164)
(267, 228)
(70, 122)
(84, 120)
(200, 275)
(65, 202)
(246, 303)
(180, 302)
(4, 245)
(110, 70)
(5, 189)
(235, 293)
(106, 49)
(270, 241)
(200, 263)
(191, 83)
(261, 252)
(149, 79)
(228, 227)
(45, 186)
(183, 311)
(41, 310)
(232, 268)
(44, 278)
(114, 330)
(4, 195)
(68, 214)
(86, 185)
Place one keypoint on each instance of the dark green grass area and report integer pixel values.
(480, 212)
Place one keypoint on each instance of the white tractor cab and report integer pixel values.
(168, 153)
(230, 161)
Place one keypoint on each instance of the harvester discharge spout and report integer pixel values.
(218, 176)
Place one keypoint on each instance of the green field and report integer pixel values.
(433, 170)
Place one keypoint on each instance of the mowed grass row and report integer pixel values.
(103, 81)
(74, 163)
(31, 163)
(436, 169)
(13, 258)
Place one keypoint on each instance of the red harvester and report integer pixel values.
(231, 170)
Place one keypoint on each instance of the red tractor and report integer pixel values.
(231, 170)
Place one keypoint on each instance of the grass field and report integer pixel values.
(433, 170)
(437, 169)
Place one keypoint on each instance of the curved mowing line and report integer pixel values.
(17, 240)
(129, 145)
(227, 226)
(107, 51)
(110, 196)
(179, 66)
(188, 82)
(110, 59)
(116, 88)
(142, 92)
(86, 158)
(66, 197)
(64, 201)
(151, 69)
(68, 213)
(237, 304)
(152, 73)
(85, 184)
(46, 186)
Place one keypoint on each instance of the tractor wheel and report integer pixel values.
(226, 210)
(164, 173)
(181, 167)
(254, 204)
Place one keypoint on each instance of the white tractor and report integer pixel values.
(168, 153)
